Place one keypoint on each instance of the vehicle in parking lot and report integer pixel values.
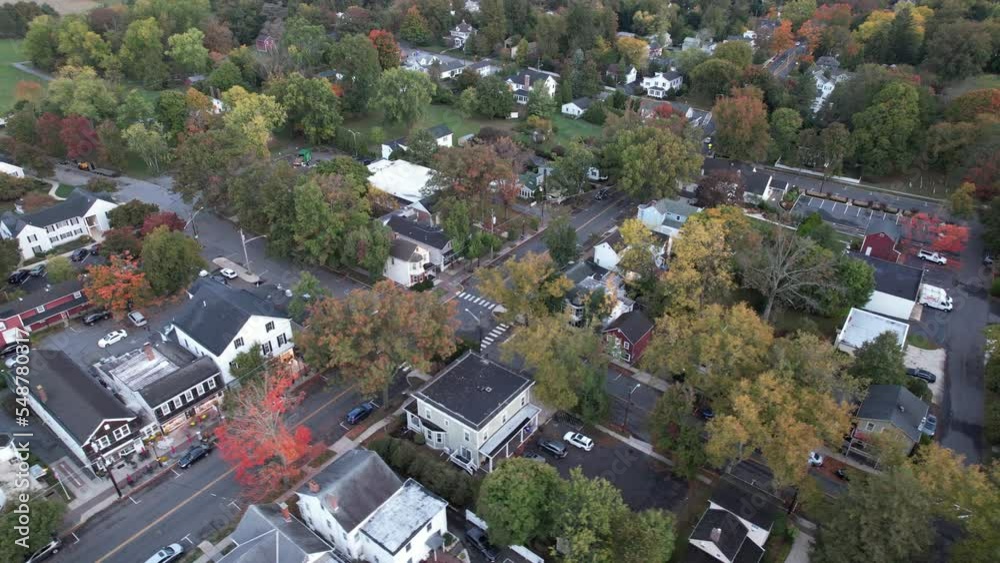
(95, 250)
(18, 277)
(228, 273)
(193, 454)
(478, 539)
(579, 440)
(111, 338)
(96, 317)
(815, 459)
(167, 554)
(931, 256)
(554, 447)
(921, 374)
(9, 349)
(137, 318)
(45, 552)
(534, 456)
(79, 255)
(38, 271)
(220, 278)
(360, 412)
(929, 425)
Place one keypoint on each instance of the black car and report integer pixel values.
(478, 539)
(38, 271)
(46, 551)
(360, 413)
(554, 447)
(80, 254)
(706, 413)
(533, 456)
(95, 250)
(196, 452)
(220, 278)
(18, 277)
(96, 317)
(921, 374)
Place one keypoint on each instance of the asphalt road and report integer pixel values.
(631, 399)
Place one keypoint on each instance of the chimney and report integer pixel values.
(716, 535)
(313, 486)
(527, 80)
(148, 349)
(334, 506)
(42, 395)
(284, 511)
(204, 304)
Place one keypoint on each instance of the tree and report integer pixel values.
(313, 109)
(634, 51)
(719, 187)
(10, 256)
(78, 91)
(674, 430)
(118, 286)
(560, 238)
(517, 501)
(46, 520)
(652, 162)
(251, 118)
(167, 219)
(368, 335)
(79, 45)
(541, 104)
(388, 50)
(415, 28)
(307, 289)
(961, 202)
(737, 52)
(526, 287)
(304, 41)
(149, 144)
(247, 363)
(78, 136)
(493, 98)
(742, 128)
(170, 260)
(713, 78)
(119, 242)
(40, 42)
(141, 52)
(785, 125)
(473, 173)
(356, 57)
(903, 39)
(131, 214)
(134, 108)
(590, 510)
(880, 361)
(188, 52)
(60, 269)
(973, 105)
(702, 271)
(834, 147)
(955, 60)
(645, 536)
(402, 95)
(883, 134)
(204, 163)
(570, 171)
(782, 37)
(255, 437)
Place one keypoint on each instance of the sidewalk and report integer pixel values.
(641, 376)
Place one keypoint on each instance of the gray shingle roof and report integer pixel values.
(731, 532)
(76, 205)
(757, 182)
(895, 279)
(356, 484)
(402, 249)
(747, 503)
(896, 405)
(216, 313)
(433, 237)
(184, 378)
(583, 103)
(440, 130)
(263, 536)
(634, 325)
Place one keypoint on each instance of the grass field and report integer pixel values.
(10, 52)
(64, 190)
(972, 83)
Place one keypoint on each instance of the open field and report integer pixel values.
(972, 83)
(73, 6)
(10, 52)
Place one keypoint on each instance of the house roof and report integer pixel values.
(677, 206)
(158, 372)
(723, 529)
(440, 130)
(633, 325)
(264, 536)
(897, 405)
(41, 297)
(743, 502)
(402, 516)
(533, 75)
(473, 389)
(583, 103)
(73, 397)
(353, 487)
(76, 205)
(895, 279)
(464, 27)
(757, 182)
(402, 249)
(433, 237)
(862, 326)
(400, 178)
(216, 313)
(180, 380)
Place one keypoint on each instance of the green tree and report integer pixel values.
(880, 361)
(645, 537)
(60, 269)
(652, 162)
(737, 52)
(306, 290)
(742, 128)
(149, 144)
(250, 118)
(79, 45)
(421, 148)
(904, 40)
(141, 52)
(517, 501)
(402, 95)
(131, 214)
(172, 112)
(173, 15)
(713, 78)
(134, 108)
(570, 171)
(785, 125)
(313, 108)
(493, 97)
(247, 363)
(357, 58)
(834, 147)
(225, 76)
(468, 102)
(954, 60)
(798, 11)
(494, 23)
(675, 432)
(589, 513)
(560, 238)
(884, 133)
(317, 234)
(415, 27)
(46, 521)
(188, 52)
(10, 256)
(78, 91)
(541, 104)
(305, 42)
(525, 287)
(962, 201)
(41, 42)
(170, 260)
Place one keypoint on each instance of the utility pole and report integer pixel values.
(628, 404)
(246, 257)
(479, 327)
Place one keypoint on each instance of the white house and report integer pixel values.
(442, 134)
(476, 410)
(10, 169)
(827, 74)
(527, 80)
(360, 506)
(897, 288)
(577, 107)
(666, 216)
(662, 83)
(221, 322)
(407, 264)
(607, 254)
(760, 186)
(621, 74)
(735, 526)
(403, 180)
(862, 326)
(81, 214)
(460, 34)
(405, 225)
(589, 279)
(271, 534)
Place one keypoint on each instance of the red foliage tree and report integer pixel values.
(951, 238)
(474, 172)
(985, 175)
(388, 49)
(167, 219)
(257, 440)
(833, 14)
(117, 285)
(79, 137)
(782, 38)
(663, 111)
(927, 230)
(48, 128)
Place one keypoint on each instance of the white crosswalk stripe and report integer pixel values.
(494, 335)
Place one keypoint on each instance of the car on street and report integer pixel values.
(111, 338)
(932, 257)
(18, 277)
(929, 425)
(38, 271)
(987, 259)
(579, 440)
(96, 317)
(220, 278)
(815, 459)
(360, 413)
(167, 554)
(137, 318)
(46, 551)
(842, 474)
(80, 254)
(228, 273)
(920, 373)
(193, 454)
(478, 540)
(554, 447)
(534, 456)
(602, 194)
(95, 250)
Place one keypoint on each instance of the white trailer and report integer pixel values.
(935, 298)
(15, 171)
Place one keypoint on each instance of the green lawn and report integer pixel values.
(10, 52)
(972, 83)
(569, 129)
(64, 190)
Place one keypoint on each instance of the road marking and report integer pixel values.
(167, 514)
(76, 537)
(175, 472)
(134, 501)
(187, 538)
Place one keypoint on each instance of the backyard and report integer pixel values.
(10, 52)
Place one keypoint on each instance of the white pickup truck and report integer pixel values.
(935, 298)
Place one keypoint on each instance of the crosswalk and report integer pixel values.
(493, 336)
(480, 301)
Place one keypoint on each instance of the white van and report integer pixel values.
(170, 553)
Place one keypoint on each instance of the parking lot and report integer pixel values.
(844, 215)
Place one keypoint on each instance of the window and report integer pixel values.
(265, 348)
(77, 295)
(269, 326)
(178, 402)
(238, 343)
(523, 399)
(282, 339)
(121, 432)
(102, 443)
(467, 436)
(200, 389)
(233, 365)
(869, 426)
(407, 547)
(165, 409)
(446, 421)
(33, 238)
(40, 309)
(428, 527)
(627, 345)
(189, 395)
(211, 383)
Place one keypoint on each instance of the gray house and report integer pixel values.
(891, 408)
(268, 534)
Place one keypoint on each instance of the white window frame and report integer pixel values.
(211, 383)
(119, 435)
(869, 426)
(178, 403)
(238, 343)
(468, 437)
(200, 389)
(189, 395)
(102, 442)
(165, 408)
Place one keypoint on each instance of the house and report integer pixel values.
(333, 75)
(81, 214)
(697, 117)
(760, 187)
(662, 83)
(459, 35)
(589, 280)
(165, 383)
(476, 410)
(485, 67)
(408, 183)
(269, 534)
(734, 528)
(526, 81)
(429, 63)
(95, 427)
(897, 288)
(533, 180)
(890, 408)
(408, 264)
(577, 107)
(11, 170)
(46, 306)
(827, 74)
(608, 252)
(266, 44)
(881, 245)
(628, 335)
(622, 74)
(406, 226)
(862, 326)
(360, 506)
(657, 43)
(221, 322)
(666, 216)
(442, 134)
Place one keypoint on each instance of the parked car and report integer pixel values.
(921, 374)
(167, 554)
(38, 271)
(45, 552)
(602, 194)
(228, 273)
(706, 413)
(815, 459)
(137, 318)
(579, 440)
(554, 447)
(80, 254)
(193, 454)
(360, 413)
(95, 250)
(932, 257)
(111, 338)
(533, 456)
(842, 474)
(9, 349)
(18, 277)
(96, 317)
(220, 278)
(478, 539)
(929, 425)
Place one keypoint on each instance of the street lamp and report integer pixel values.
(354, 137)
(245, 240)
(628, 404)
(194, 227)
(479, 327)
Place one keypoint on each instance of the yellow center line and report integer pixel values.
(167, 514)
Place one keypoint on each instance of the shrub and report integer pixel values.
(402, 456)
(419, 439)
(919, 388)
(995, 288)
(991, 424)
(993, 375)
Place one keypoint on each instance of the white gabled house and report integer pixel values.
(577, 107)
(524, 82)
(666, 216)
(82, 214)
(460, 34)
(408, 264)
(662, 83)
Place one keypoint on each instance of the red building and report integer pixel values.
(629, 334)
(39, 309)
(880, 245)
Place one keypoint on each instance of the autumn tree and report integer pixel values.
(702, 270)
(388, 50)
(633, 51)
(78, 136)
(638, 249)
(368, 335)
(675, 432)
(743, 131)
(170, 260)
(167, 219)
(719, 187)
(517, 501)
(472, 173)
(120, 241)
(782, 37)
(652, 162)
(118, 286)
(131, 214)
(962, 201)
(306, 290)
(251, 118)
(313, 108)
(528, 288)
(256, 437)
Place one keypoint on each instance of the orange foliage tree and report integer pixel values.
(257, 440)
(27, 91)
(782, 38)
(388, 49)
(117, 285)
(926, 229)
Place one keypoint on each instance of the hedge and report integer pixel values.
(457, 487)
